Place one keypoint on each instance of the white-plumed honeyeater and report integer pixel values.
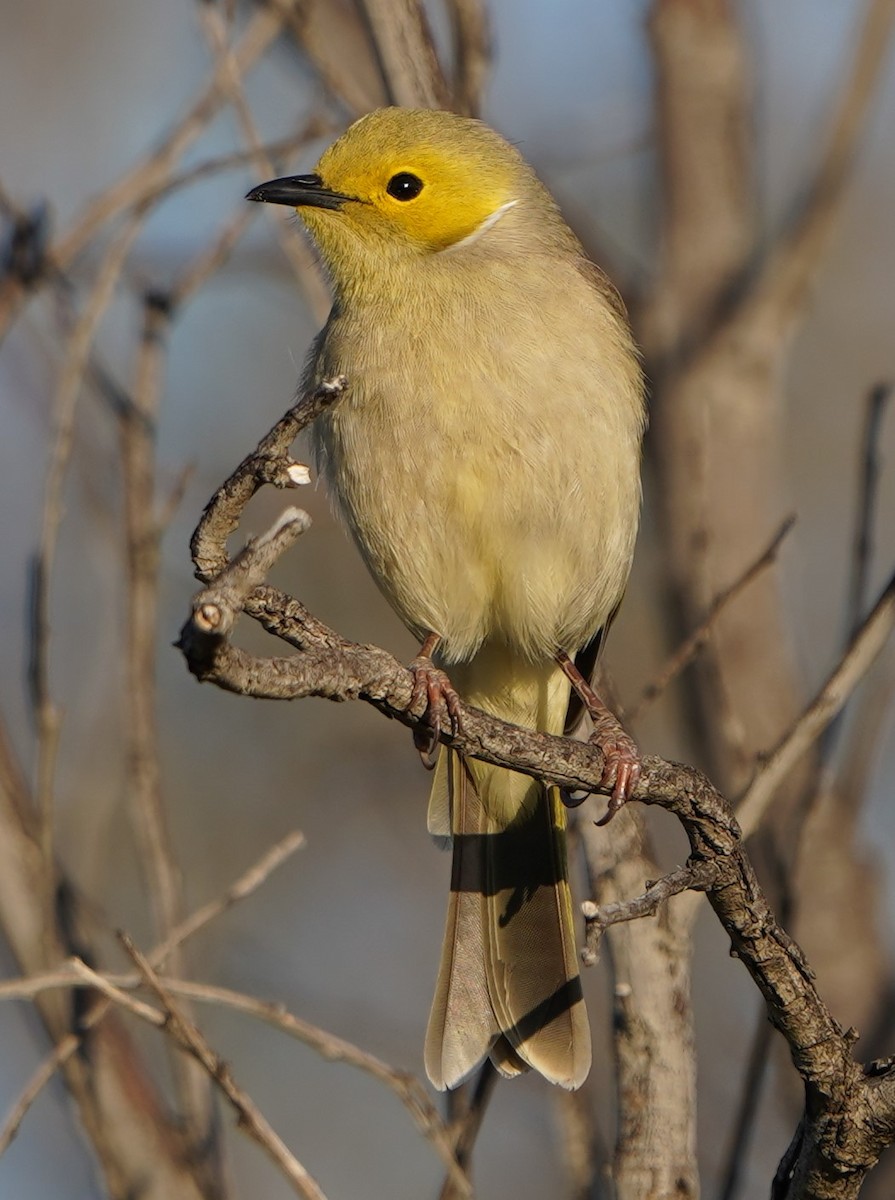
(486, 458)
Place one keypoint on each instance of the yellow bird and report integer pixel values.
(486, 458)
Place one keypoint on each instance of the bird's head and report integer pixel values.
(403, 183)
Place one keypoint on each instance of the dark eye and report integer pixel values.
(404, 186)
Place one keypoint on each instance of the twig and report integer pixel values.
(314, 127)
(117, 987)
(867, 503)
(250, 1118)
(599, 917)
(139, 184)
(472, 53)
(839, 686)
(406, 53)
(330, 666)
(336, 39)
(691, 645)
(46, 714)
(243, 887)
(270, 463)
(57, 1057)
(585, 1156)
(137, 440)
(649, 967)
(776, 298)
(137, 426)
(467, 1129)
(747, 1110)
(296, 250)
(862, 546)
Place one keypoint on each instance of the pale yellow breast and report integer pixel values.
(486, 457)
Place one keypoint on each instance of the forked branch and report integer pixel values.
(850, 1109)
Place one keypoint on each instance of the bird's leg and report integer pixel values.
(621, 766)
(432, 683)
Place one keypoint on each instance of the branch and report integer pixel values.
(868, 502)
(649, 964)
(863, 651)
(776, 298)
(116, 988)
(188, 1036)
(472, 53)
(598, 917)
(838, 1095)
(692, 644)
(406, 51)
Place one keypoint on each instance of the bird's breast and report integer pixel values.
(488, 469)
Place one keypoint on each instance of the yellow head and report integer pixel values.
(408, 182)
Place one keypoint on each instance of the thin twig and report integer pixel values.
(243, 887)
(406, 52)
(599, 917)
(467, 1129)
(57, 1057)
(139, 183)
(776, 298)
(862, 544)
(162, 877)
(250, 1118)
(297, 252)
(691, 645)
(46, 714)
(867, 504)
(839, 686)
(117, 987)
(743, 1125)
(472, 51)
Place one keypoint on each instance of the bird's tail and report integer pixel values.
(508, 984)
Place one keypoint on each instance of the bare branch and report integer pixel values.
(187, 1035)
(268, 463)
(406, 52)
(57, 1057)
(467, 1128)
(139, 184)
(649, 965)
(707, 215)
(330, 666)
(776, 298)
(472, 54)
(598, 917)
(867, 503)
(243, 887)
(117, 987)
(858, 658)
(691, 645)
(298, 253)
(46, 714)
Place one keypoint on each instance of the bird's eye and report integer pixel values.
(404, 186)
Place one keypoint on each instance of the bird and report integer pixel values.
(485, 456)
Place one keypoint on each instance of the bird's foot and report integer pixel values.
(621, 760)
(432, 684)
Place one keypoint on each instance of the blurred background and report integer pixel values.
(346, 934)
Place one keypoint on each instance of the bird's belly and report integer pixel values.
(469, 538)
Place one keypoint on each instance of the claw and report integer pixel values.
(433, 685)
(621, 766)
(621, 758)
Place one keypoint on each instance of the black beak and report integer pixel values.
(298, 191)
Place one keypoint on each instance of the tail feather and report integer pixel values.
(508, 982)
(462, 1026)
